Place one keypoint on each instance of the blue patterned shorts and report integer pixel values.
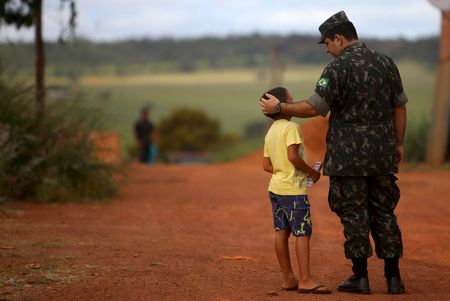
(291, 212)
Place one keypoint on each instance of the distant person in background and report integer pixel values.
(143, 133)
(283, 152)
(153, 153)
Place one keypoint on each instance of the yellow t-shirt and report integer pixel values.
(286, 179)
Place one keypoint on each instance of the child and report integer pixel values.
(283, 153)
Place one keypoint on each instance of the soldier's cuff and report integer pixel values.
(319, 104)
(401, 99)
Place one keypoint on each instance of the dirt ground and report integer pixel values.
(205, 233)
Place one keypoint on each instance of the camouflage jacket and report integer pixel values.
(360, 88)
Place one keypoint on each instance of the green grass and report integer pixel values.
(229, 96)
(233, 100)
(238, 150)
(419, 83)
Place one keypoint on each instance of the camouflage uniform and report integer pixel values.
(360, 89)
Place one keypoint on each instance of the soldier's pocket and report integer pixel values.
(336, 195)
(350, 149)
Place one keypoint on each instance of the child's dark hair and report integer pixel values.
(279, 92)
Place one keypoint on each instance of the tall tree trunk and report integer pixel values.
(40, 58)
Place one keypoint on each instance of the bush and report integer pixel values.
(50, 157)
(188, 130)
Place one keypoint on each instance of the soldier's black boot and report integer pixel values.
(395, 285)
(354, 284)
(358, 283)
(392, 273)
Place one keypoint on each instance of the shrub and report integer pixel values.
(50, 157)
(188, 129)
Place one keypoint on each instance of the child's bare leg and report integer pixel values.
(302, 252)
(282, 250)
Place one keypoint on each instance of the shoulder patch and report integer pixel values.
(322, 82)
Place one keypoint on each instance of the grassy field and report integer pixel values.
(230, 96)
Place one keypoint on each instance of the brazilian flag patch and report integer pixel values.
(323, 82)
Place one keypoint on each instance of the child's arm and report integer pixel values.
(298, 162)
(267, 165)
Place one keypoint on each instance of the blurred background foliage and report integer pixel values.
(50, 156)
(204, 93)
(130, 57)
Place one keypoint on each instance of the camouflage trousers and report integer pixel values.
(366, 205)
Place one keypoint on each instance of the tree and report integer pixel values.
(26, 13)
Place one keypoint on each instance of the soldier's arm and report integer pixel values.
(399, 100)
(315, 105)
(301, 165)
(399, 119)
(301, 109)
(267, 165)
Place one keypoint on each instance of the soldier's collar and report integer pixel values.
(352, 46)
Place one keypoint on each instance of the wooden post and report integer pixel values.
(438, 140)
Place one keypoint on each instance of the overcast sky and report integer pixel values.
(107, 20)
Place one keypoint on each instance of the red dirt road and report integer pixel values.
(205, 233)
(176, 233)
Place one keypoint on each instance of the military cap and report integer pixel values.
(331, 22)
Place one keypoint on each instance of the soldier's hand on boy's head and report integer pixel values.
(268, 103)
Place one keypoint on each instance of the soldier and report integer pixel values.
(363, 92)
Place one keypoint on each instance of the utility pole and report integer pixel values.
(276, 69)
(438, 139)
